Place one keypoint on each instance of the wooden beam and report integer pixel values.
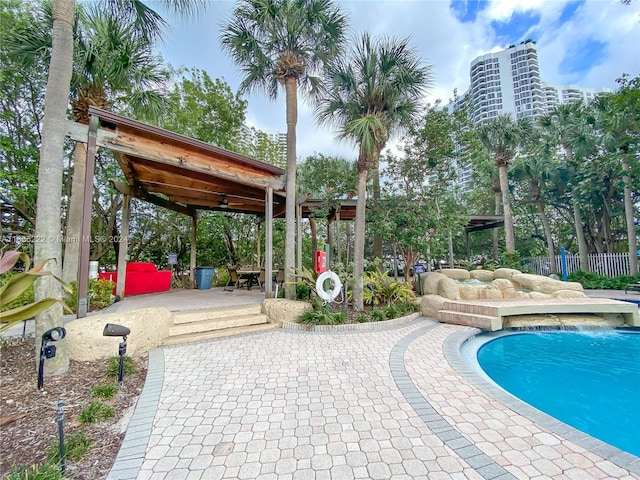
(148, 197)
(139, 147)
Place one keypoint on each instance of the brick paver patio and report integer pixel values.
(396, 403)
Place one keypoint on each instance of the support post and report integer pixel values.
(299, 227)
(85, 231)
(123, 252)
(338, 237)
(268, 240)
(192, 256)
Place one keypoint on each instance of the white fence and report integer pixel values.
(609, 264)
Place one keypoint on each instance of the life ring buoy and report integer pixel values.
(328, 295)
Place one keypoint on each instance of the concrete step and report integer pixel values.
(485, 322)
(472, 307)
(227, 332)
(190, 316)
(217, 324)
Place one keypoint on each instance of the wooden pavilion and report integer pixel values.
(178, 173)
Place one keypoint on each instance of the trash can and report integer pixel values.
(203, 277)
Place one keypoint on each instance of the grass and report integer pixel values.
(75, 446)
(47, 471)
(105, 391)
(114, 365)
(96, 412)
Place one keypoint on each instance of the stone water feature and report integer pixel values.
(509, 298)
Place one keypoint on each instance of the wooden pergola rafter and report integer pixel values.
(178, 173)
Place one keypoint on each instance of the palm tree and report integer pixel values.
(113, 65)
(105, 77)
(50, 174)
(502, 136)
(372, 93)
(536, 169)
(284, 43)
(620, 127)
(50, 171)
(568, 127)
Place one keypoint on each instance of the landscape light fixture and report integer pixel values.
(113, 330)
(48, 351)
(223, 202)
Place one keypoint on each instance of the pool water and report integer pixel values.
(589, 380)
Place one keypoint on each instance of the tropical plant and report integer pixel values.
(20, 283)
(371, 93)
(284, 43)
(384, 290)
(502, 136)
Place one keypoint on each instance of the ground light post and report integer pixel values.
(113, 330)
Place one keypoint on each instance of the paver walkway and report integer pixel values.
(386, 404)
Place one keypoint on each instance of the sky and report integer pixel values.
(588, 43)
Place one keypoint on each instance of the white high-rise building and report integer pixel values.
(509, 81)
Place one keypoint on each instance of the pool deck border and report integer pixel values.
(452, 349)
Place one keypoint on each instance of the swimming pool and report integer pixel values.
(587, 379)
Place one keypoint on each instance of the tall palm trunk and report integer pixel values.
(50, 176)
(358, 248)
(506, 207)
(377, 238)
(291, 93)
(70, 267)
(628, 214)
(546, 226)
(495, 233)
(577, 215)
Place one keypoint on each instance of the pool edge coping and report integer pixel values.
(452, 351)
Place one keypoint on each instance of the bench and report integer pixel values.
(141, 278)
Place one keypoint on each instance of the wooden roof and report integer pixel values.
(181, 173)
(484, 222)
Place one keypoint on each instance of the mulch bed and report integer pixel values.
(28, 416)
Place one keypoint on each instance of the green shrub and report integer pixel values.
(319, 317)
(75, 446)
(511, 260)
(393, 311)
(106, 391)
(362, 318)
(96, 412)
(113, 367)
(594, 280)
(47, 471)
(378, 315)
(98, 292)
(221, 277)
(303, 292)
